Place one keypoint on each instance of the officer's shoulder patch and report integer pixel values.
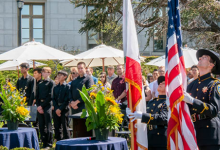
(218, 88)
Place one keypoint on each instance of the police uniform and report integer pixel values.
(156, 118)
(43, 99)
(25, 86)
(204, 110)
(61, 101)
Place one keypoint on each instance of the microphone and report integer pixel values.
(90, 138)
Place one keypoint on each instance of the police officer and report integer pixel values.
(203, 98)
(43, 98)
(25, 83)
(156, 118)
(60, 103)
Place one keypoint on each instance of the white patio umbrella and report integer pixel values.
(188, 54)
(14, 65)
(35, 51)
(101, 55)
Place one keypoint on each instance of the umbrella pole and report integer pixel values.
(18, 71)
(33, 64)
(103, 64)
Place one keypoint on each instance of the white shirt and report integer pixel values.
(154, 89)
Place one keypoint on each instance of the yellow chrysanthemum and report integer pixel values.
(103, 88)
(110, 100)
(93, 95)
(25, 98)
(11, 87)
(100, 83)
(95, 109)
(119, 117)
(113, 109)
(93, 85)
(22, 111)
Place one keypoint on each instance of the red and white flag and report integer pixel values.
(133, 75)
(180, 132)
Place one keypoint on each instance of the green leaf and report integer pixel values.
(84, 113)
(100, 103)
(89, 106)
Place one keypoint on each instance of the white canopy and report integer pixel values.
(188, 54)
(14, 65)
(101, 55)
(35, 51)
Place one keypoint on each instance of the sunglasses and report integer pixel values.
(73, 73)
(102, 76)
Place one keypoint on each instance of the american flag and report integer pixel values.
(180, 132)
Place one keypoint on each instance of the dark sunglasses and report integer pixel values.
(102, 76)
(73, 73)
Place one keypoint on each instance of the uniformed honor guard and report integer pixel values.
(203, 98)
(43, 99)
(156, 118)
(60, 103)
(25, 83)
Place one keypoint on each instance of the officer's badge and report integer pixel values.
(205, 89)
(218, 87)
(159, 106)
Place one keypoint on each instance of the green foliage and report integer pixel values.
(22, 148)
(103, 112)
(3, 148)
(1, 124)
(200, 18)
(13, 104)
(148, 68)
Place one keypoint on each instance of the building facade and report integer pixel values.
(56, 24)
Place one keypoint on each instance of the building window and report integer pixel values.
(33, 23)
(91, 35)
(159, 41)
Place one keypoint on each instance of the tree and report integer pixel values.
(199, 18)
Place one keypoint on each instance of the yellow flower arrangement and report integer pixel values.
(13, 104)
(102, 111)
(22, 111)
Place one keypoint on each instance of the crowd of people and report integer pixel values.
(56, 99)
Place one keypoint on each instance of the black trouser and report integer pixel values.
(46, 120)
(211, 147)
(62, 120)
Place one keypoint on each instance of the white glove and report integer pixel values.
(135, 115)
(128, 111)
(187, 98)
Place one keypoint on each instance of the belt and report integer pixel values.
(151, 127)
(41, 100)
(196, 117)
(59, 104)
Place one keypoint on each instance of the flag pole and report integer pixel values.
(131, 123)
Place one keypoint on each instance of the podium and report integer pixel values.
(79, 126)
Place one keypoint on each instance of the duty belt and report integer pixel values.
(196, 117)
(151, 127)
